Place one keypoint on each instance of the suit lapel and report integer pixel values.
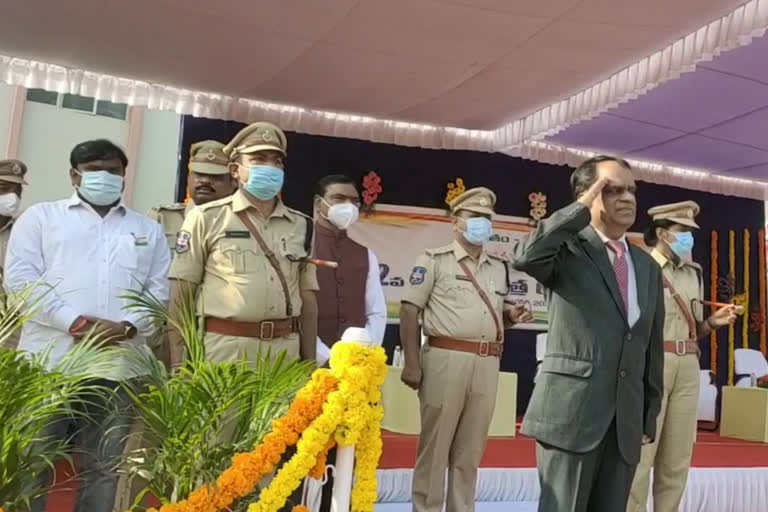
(642, 276)
(598, 254)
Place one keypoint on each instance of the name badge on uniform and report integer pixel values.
(237, 234)
(463, 278)
(182, 242)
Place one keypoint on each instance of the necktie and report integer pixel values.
(621, 268)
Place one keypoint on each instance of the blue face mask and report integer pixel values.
(479, 230)
(264, 182)
(683, 244)
(100, 188)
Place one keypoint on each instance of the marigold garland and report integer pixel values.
(354, 414)
(338, 405)
(732, 276)
(762, 285)
(745, 317)
(318, 472)
(713, 276)
(248, 469)
(300, 508)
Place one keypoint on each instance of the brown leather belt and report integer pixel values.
(266, 330)
(682, 347)
(481, 348)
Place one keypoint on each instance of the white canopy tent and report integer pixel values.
(488, 75)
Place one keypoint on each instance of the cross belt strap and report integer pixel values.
(266, 330)
(486, 300)
(270, 257)
(692, 331)
(481, 348)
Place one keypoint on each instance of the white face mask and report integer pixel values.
(342, 215)
(9, 204)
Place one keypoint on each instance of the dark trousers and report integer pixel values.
(327, 490)
(100, 432)
(595, 481)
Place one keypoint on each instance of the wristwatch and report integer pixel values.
(130, 330)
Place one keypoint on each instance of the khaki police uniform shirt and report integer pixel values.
(451, 305)
(5, 235)
(215, 250)
(687, 281)
(171, 217)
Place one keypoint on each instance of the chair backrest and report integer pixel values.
(750, 362)
(705, 378)
(541, 346)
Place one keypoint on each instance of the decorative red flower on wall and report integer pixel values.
(372, 188)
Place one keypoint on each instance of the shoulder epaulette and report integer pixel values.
(171, 207)
(301, 214)
(218, 202)
(440, 250)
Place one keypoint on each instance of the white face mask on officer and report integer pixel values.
(341, 215)
(9, 204)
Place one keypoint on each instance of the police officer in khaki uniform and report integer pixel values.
(670, 236)
(12, 174)
(245, 258)
(209, 180)
(459, 291)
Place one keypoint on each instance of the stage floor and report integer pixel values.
(710, 451)
(513, 461)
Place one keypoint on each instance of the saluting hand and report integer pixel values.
(588, 197)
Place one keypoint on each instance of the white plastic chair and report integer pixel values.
(749, 363)
(541, 349)
(707, 397)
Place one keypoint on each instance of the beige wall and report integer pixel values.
(48, 133)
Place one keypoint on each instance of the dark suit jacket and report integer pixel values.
(596, 367)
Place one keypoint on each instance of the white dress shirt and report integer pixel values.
(85, 263)
(633, 315)
(375, 309)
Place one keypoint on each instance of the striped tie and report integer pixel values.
(621, 268)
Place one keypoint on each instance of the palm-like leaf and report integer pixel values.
(196, 420)
(35, 392)
(33, 395)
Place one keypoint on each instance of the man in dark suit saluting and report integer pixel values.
(599, 391)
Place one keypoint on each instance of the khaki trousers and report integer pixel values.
(220, 348)
(670, 455)
(129, 486)
(457, 398)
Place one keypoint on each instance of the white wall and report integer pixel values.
(155, 182)
(49, 133)
(6, 98)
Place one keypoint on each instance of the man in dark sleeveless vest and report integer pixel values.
(351, 294)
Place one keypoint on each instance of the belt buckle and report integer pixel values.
(485, 349)
(271, 326)
(680, 347)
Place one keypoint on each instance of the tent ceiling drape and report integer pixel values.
(509, 74)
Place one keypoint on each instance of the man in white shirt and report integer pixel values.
(90, 249)
(351, 294)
